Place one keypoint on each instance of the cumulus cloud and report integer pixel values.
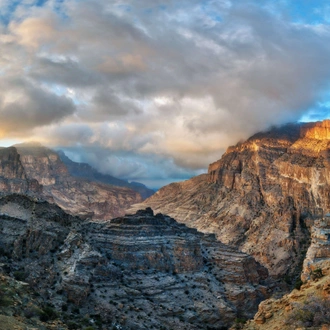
(165, 82)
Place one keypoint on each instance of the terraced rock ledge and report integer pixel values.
(139, 271)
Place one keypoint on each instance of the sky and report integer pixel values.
(154, 91)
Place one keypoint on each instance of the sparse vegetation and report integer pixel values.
(298, 284)
(5, 300)
(312, 313)
(48, 314)
(20, 275)
(316, 274)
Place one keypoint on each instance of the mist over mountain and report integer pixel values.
(157, 91)
(86, 171)
(192, 99)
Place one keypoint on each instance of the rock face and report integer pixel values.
(12, 174)
(318, 254)
(133, 272)
(260, 196)
(319, 130)
(85, 171)
(38, 171)
(306, 308)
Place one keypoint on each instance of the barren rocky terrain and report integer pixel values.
(134, 272)
(304, 308)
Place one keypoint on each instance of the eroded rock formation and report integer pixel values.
(38, 171)
(306, 308)
(260, 196)
(318, 253)
(134, 272)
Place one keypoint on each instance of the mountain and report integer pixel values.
(138, 271)
(262, 196)
(85, 171)
(38, 171)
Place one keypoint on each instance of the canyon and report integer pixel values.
(198, 254)
(133, 272)
(262, 196)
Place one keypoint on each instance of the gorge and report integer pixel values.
(198, 254)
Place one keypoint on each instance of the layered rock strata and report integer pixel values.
(134, 272)
(318, 253)
(38, 171)
(260, 196)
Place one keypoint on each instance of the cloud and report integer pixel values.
(166, 80)
(152, 170)
(24, 106)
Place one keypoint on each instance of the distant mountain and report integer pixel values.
(262, 196)
(34, 170)
(84, 170)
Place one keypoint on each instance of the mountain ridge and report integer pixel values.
(260, 196)
(85, 171)
(38, 171)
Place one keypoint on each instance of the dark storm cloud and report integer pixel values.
(24, 106)
(179, 80)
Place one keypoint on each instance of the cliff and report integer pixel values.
(134, 272)
(261, 196)
(38, 171)
(318, 253)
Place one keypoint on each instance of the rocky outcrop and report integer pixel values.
(319, 130)
(134, 272)
(260, 196)
(306, 308)
(39, 172)
(85, 171)
(12, 174)
(318, 253)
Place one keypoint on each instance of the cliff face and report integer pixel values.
(260, 195)
(38, 171)
(12, 174)
(41, 163)
(134, 272)
(318, 253)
